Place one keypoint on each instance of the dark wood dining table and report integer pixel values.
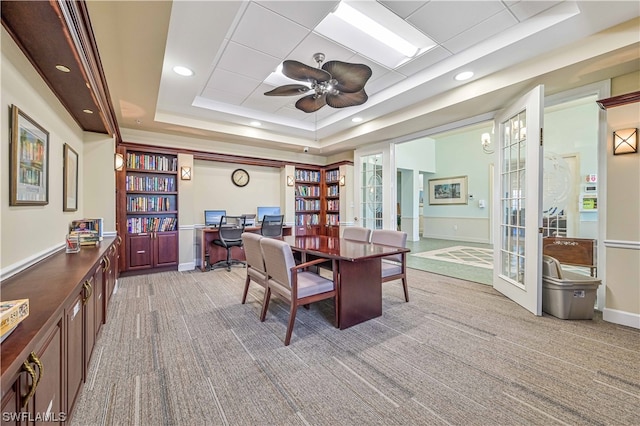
(359, 273)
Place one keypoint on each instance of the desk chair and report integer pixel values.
(256, 270)
(292, 282)
(229, 236)
(272, 225)
(394, 267)
(357, 233)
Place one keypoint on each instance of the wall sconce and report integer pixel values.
(118, 161)
(342, 180)
(185, 173)
(625, 141)
(485, 139)
(290, 181)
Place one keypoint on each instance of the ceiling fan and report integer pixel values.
(335, 83)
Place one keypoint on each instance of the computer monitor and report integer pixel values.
(267, 211)
(212, 217)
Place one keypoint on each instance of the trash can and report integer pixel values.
(567, 295)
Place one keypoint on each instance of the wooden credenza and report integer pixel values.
(45, 359)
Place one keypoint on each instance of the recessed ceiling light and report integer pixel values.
(183, 71)
(87, 111)
(62, 68)
(356, 119)
(256, 123)
(465, 75)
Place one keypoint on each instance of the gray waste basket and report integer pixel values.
(567, 295)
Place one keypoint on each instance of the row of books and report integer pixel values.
(139, 225)
(151, 162)
(149, 204)
(307, 219)
(308, 175)
(150, 183)
(307, 191)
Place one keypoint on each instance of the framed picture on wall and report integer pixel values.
(70, 180)
(451, 190)
(29, 161)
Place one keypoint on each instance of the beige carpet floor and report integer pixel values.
(180, 349)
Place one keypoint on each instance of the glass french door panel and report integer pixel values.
(371, 191)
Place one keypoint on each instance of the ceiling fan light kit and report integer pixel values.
(334, 83)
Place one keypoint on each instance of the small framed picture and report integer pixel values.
(29, 161)
(70, 184)
(451, 190)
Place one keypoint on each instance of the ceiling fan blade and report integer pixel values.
(347, 99)
(311, 103)
(299, 71)
(288, 90)
(351, 77)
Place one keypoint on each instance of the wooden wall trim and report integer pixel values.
(619, 100)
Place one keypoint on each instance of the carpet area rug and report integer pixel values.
(472, 256)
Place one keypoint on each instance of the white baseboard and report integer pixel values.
(620, 317)
(188, 266)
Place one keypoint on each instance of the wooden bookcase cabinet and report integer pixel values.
(147, 208)
(317, 201)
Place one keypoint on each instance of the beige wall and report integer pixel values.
(622, 240)
(30, 232)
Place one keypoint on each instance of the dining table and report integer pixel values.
(359, 274)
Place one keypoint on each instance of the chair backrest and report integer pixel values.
(272, 225)
(357, 233)
(252, 251)
(278, 259)
(390, 237)
(233, 229)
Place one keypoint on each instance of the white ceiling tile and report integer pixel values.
(403, 9)
(441, 20)
(314, 43)
(223, 96)
(268, 32)
(488, 28)
(257, 100)
(526, 9)
(387, 80)
(424, 61)
(231, 82)
(247, 61)
(306, 13)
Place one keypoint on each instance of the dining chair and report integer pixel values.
(357, 233)
(394, 267)
(294, 283)
(256, 270)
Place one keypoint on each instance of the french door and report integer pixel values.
(517, 269)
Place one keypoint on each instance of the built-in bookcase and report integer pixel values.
(308, 205)
(150, 210)
(331, 203)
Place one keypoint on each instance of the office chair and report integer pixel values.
(229, 236)
(272, 225)
(292, 283)
(394, 267)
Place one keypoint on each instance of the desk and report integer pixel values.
(212, 253)
(359, 272)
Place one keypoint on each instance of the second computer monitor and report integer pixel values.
(213, 217)
(269, 211)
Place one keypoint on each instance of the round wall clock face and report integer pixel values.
(240, 177)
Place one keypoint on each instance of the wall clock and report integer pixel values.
(240, 177)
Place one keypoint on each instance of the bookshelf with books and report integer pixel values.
(331, 202)
(150, 210)
(308, 206)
